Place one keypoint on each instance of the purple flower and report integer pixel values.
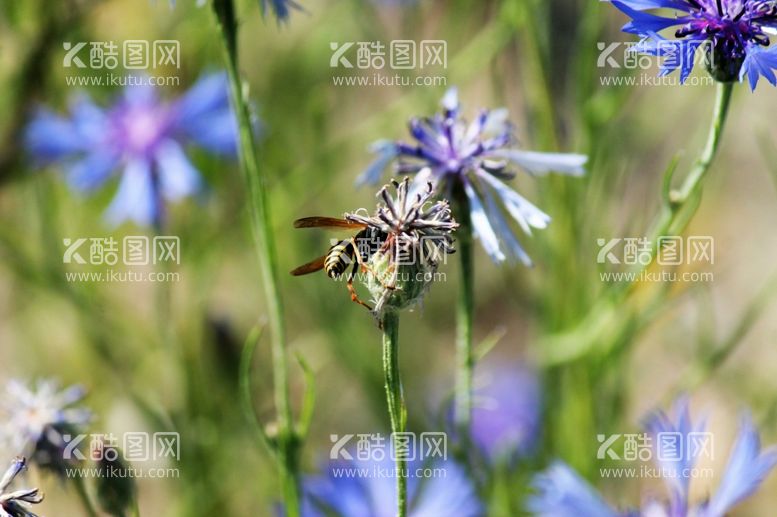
(506, 412)
(357, 488)
(561, 493)
(735, 32)
(141, 136)
(474, 158)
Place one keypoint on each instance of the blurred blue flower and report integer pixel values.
(735, 32)
(506, 411)
(561, 493)
(474, 157)
(360, 488)
(144, 137)
(14, 504)
(35, 420)
(281, 9)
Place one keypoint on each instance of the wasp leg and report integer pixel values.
(352, 290)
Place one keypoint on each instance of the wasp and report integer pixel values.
(355, 250)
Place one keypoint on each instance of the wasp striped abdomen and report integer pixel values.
(338, 258)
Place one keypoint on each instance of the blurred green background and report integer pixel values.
(538, 59)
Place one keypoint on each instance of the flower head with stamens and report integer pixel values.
(735, 34)
(36, 420)
(141, 136)
(417, 237)
(474, 158)
(14, 504)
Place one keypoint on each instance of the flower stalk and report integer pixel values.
(396, 403)
(465, 308)
(287, 442)
(681, 204)
(693, 182)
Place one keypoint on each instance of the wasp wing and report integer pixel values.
(326, 222)
(310, 267)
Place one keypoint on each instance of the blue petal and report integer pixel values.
(204, 115)
(503, 230)
(677, 53)
(386, 151)
(280, 8)
(642, 5)
(177, 176)
(347, 492)
(747, 468)
(562, 493)
(679, 422)
(506, 413)
(51, 137)
(136, 198)
(450, 101)
(759, 63)
(525, 213)
(642, 23)
(140, 94)
(481, 225)
(448, 494)
(91, 171)
(542, 163)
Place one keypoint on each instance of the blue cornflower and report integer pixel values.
(142, 136)
(370, 489)
(560, 492)
(36, 420)
(506, 411)
(476, 157)
(736, 33)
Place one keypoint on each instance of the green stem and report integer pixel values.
(465, 362)
(681, 204)
(396, 404)
(265, 245)
(83, 496)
